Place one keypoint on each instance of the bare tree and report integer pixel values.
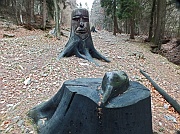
(178, 34)
(115, 18)
(152, 20)
(160, 24)
(132, 27)
(57, 25)
(44, 14)
(32, 11)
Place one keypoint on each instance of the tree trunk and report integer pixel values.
(158, 27)
(114, 18)
(44, 14)
(16, 11)
(126, 26)
(57, 26)
(32, 11)
(132, 28)
(132, 22)
(75, 109)
(161, 6)
(28, 12)
(163, 21)
(178, 34)
(151, 21)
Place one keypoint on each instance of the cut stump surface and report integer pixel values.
(74, 109)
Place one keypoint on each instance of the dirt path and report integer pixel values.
(34, 57)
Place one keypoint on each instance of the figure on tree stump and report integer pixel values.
(108, 105)
(80, 41)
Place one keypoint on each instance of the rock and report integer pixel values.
(166, 106)
(170, 118)
(20, 123)
(9, 105)
(52, 32)
(27, 81)
(136, 78)
(22, 128)
(27, 131)
(16, 119)
(8, 35)
(160, 123)
(83, 64)
(44, 74)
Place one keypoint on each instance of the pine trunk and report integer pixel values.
(151, 21)
(57, 26)
(44, 14)
(32, 11)
(160, 26)
(114, 18)
(132, 28)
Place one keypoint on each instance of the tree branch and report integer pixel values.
(168, 98)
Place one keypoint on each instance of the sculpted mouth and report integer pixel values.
(81, 31)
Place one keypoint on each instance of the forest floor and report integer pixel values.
(32, 55)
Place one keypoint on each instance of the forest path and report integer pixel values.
(33, 59)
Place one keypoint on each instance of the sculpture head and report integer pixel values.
(80, 23)
(113, 84)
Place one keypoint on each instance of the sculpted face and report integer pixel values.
(80, 23)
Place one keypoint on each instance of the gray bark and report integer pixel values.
(57, 25)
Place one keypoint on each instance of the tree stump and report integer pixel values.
(75, 109)
(80, 41)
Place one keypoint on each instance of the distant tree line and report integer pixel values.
(158, 19)
(31, 12)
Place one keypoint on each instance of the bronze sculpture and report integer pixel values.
(113, 84)
(75, 107)
(80, 41)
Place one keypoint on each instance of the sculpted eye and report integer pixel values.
(85, 19)
(76, 18)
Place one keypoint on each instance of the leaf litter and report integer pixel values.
(30, 74)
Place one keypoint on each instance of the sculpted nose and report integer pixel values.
(81, 24)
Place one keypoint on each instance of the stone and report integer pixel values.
(8, 35)
(20, 123)
(27, 81)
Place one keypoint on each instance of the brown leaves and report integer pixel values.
(34, 57)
